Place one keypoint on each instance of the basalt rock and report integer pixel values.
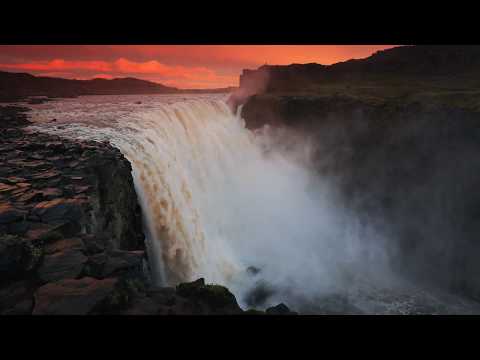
(17, 256)
(68, 211)
(280, 309)
(66, 264)
(213, 298)
(72, 297)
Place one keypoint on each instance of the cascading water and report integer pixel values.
(218, 198)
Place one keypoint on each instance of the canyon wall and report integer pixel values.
(404, 156)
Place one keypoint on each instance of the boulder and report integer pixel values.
(214, 298)
(72, 297)
(280, 309)
(67, 264)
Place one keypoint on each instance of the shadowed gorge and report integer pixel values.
(403, 147)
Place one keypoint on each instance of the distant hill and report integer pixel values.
(438, 65)
(14, 85)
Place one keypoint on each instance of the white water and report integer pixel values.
(218, 198)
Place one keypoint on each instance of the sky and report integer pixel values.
(182, 66)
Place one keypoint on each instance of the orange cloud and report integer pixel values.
(194, 66)
(172, 75)
(59, 65)
(154, 67)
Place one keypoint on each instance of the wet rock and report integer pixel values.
(72, 297)
(58, 209)
(29, 197)
(64, 245)
(9, 214)
(67, 264)
(44, 233)
(93, 244)
(118, 261)
(56, 146)
(12, 180)
(4, 188)
(95, 265)
(19, 228)
(46, 175)
(252, 270)
(51, 193)
(17, 255)
(212, 298)
(280, 309)
(31, 165)
(81, 189)
(163, 295)
(253, 312)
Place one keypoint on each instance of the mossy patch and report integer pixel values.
(215, 296)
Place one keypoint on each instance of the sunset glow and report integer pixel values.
(183, 66)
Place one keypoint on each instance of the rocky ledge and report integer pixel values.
(69, 219)
(71, 237)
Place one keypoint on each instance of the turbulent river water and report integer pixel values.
(241, 208)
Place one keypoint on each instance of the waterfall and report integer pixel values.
(218, 198)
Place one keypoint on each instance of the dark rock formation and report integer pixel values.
(72, 297)
(63, 205)
(214, 297)
(280, 309)
(407, 164)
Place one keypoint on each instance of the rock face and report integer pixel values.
(64, 205)
(408, 165)
(72, 297)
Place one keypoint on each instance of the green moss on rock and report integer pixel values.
(215, 297)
